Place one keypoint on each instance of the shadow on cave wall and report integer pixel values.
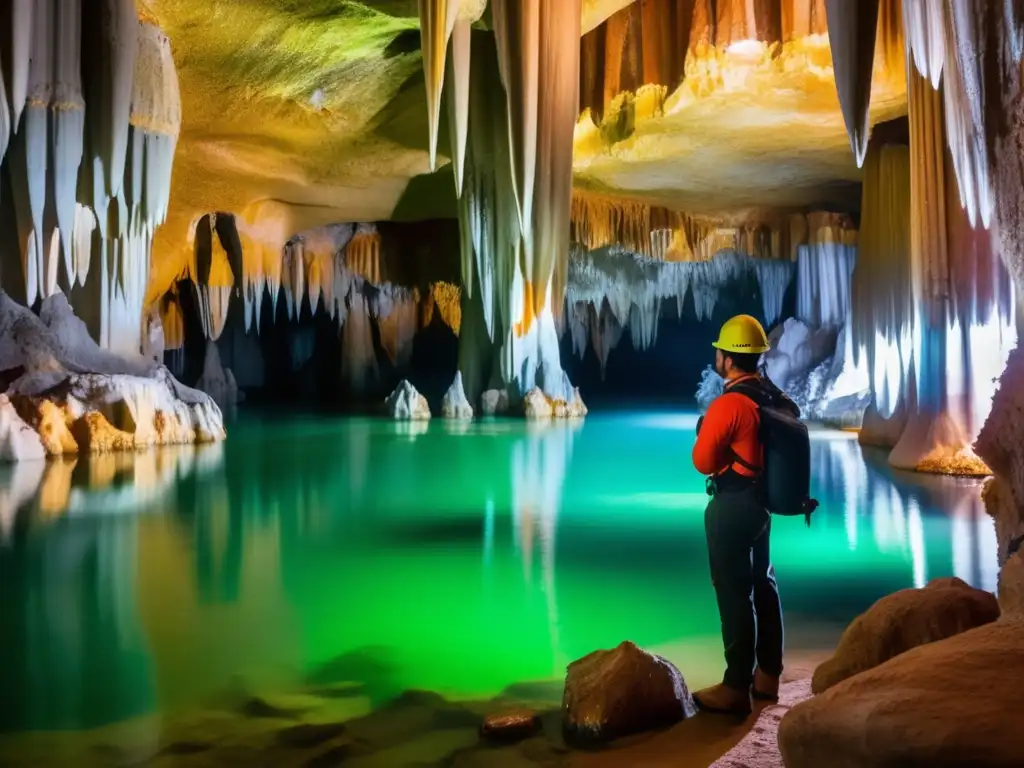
(668, 372)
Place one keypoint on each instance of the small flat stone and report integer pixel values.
(306, 736)
(514, 725)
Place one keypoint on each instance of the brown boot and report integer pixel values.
(724, 700)
(766, 687)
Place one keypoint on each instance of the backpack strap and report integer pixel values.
(754, 393)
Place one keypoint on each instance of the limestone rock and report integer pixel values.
(18, 441)
(63, 375)
(494, 402)
(1011, 586)
(455, 405)
(904, 620)
(610, 694)
(406, 404)
(94, 433)
(955, 702)
(514, 725)
(537, 406)
(50, 422)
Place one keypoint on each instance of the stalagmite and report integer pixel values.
(851, 29)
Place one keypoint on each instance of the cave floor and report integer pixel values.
(315, 727)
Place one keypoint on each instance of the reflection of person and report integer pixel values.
(737, 525)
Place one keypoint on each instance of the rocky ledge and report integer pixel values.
(64, 394)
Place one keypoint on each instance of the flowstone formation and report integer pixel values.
(65, 395)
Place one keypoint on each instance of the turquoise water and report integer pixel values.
(454, 559)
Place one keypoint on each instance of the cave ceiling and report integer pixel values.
(298, 113)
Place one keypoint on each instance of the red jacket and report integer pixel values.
(730, 426)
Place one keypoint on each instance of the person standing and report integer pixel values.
(737, 523)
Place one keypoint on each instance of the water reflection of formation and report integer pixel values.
(265, 554)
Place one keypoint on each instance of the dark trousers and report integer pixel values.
(738, 528)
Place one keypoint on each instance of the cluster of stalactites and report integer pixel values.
(512, 127)
(445, 299)
(90, 113)
(335, 269)
(664, 235)
(617, 290)
(943, 40)
(659, 43)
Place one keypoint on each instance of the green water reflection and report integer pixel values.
(460, 560)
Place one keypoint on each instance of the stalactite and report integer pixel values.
(362, 254)
(110, 44)
(447, 299)
(852, 28)
(437, 18)
(965, 110)
(395, 312)
(539, 43)
(173, 322)
(488, 222)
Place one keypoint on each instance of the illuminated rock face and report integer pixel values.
(79, 397)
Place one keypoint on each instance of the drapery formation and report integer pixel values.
(944, 288)
(90, 113)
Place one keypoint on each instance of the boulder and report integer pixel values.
(406, 404)
(905, 620)
(455, 405)
(956, 702)
(610, 694)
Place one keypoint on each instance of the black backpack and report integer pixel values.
(786, 476)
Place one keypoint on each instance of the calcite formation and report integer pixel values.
(79, 397)
(88, 137)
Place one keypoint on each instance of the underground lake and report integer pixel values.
(384, 557)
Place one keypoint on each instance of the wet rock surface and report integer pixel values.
(905, 620)
(625, 691)
(511, 726)
(943, 704)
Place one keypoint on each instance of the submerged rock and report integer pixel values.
(610, 694)
(455, 405)
(515, 725)
(904, 620)
(406, 404)
(955, 702)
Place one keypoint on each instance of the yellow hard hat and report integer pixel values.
(743, 334)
